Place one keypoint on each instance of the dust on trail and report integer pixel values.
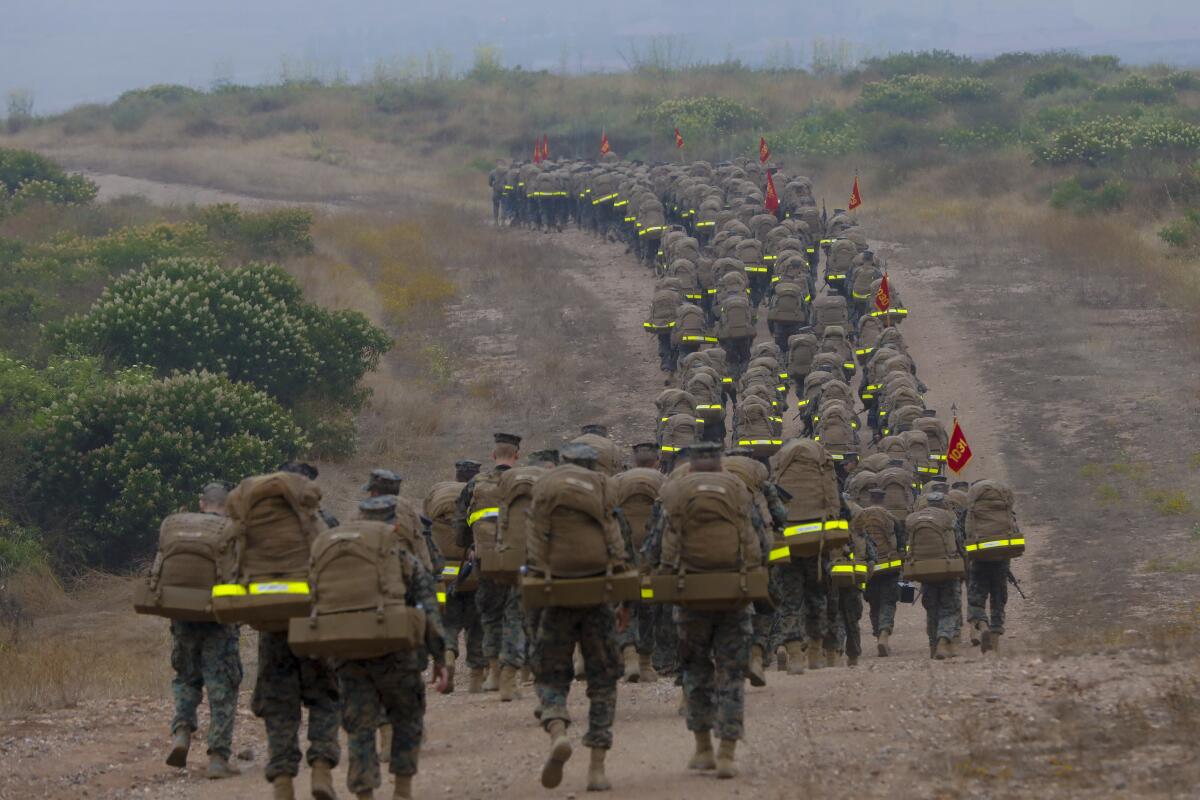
(889, 727)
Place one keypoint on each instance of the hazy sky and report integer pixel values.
(74, 51)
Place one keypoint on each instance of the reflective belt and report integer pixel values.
(228, 590)
(971, 548)
(937, 457)
(865, 351)
(867, 396)
(838, 569)
(650, 326)
(631, 219)
(886, 565)
(929, 470)
(782, 388)
(483, 513)
(780, 553)
(694, 296)
(757, 269)
(651, 229)
(709, 407)
(692, 338)
(275, 587)
(816, 527)
(770, 258)
(849, 365)
(451, 571)
(747, 442)
(620, 203)
(712, 291)
(705, 224)
(837, 456)
(604, 199)
(811, 250)
(776, 419)
(900, 312)
(801, 403)
(726, 380)
(508, 188)
(858, 296)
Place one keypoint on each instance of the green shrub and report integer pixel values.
(1183, 233)
(920, 95)
(897, 136)
(249, 323)
(1089, 196)
(707, 116)
(916, 63)
(260, 234)
(165, 93)
(21, 548)
(1052, 80)
(821, 132)
(1136, 88)
(987, 137)
(112, 462)
(26, 177)
(1111, 139)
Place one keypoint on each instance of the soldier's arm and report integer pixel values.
(872, 554)
(422, 592)
(901, 536)
(760, 531)
(652, 547)
(436, 557)
(778, 508)
(462, 508)
(626, 534)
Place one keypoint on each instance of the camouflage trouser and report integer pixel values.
(502, 618)
(205, 655)
(844, 610)
(666, 353)
(285, 683)
(987, 580)
(943, 609)
(883, 593)
(762, 625)
(370, 686)
(461, 616)
(714, 649)
(594, 629)
(666, 641)
(640, 632)
(802, 615)
(713, 430)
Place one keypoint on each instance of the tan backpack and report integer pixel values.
(836, 427)
(636, 492)
(191, 553)
(662, 311)
(610, 461)
(736, 319)
(516, 496)
(935, 434)
(573, 533)
(879, 526)
(859, 486)
(805, 470)
(787, 304)
(710, 397)
(709, 526)
(801, 349)
(897, 485)
(679, 431)
(829, 309)
(674, 401)
(690, 325)
(440, 506)
(932, 552)
(991, 523)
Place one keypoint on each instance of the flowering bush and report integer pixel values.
(821, 133)
(112, 461)
(703, 116)
(27, 177)
(1110, 139)
(921, 95)
(250, 323)
(262, 234)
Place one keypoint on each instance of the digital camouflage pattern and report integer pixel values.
(987, 582)
(882, 596)
(594, 628)
(802, 614)
(844, 608)
(640, 632)
(502, 618)
(285, 683)
(943, 610)
(714, 650)
(205, 657)
(461, 617)
(366, 685)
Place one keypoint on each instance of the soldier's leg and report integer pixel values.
(319, 692)
(889, 597)
(360, 717)
(512, 644)
(872, 596)
(474, 633)
(666, 353)
(789, 578)
(696, 632)
(187, 686)
(852, 609)
(602, 660)
(760, 630)
(221, 664)
(403, 693)
(644, 620)
(814, 602)
(666, 641)
(731, 649)
(277, 703)
(453, 622)
(998, 594)
(930, 597)
(977, 592)
(553, 652)
(489, 599)
(949, 610)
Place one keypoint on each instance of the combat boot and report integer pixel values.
(508, 684)
(646, 668)
(219, 767)
(703, 758)
(831, 657)
(781, 659)
(941, 650)
(978, 632)
(578, 664)
(851, 661)
(633, 672)
(995, 646)
(322, 781)
(476, 684)
(181, 742)
(757, 678)
(526, 676)
(385, 742)
(492, 684)
(449, 660)
(560, 751)
(281, 788)
(814, 655)
(403, 790)
(795, 658)
(725, 765)
(882, 647)
(597, 780)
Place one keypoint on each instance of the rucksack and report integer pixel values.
(736, 319)
(787, 304)
(835, 428)
(897, 486)
(709, 526)
(516, 494)
(191, 552)
(991, 523)
(662, 311)
(859, 486)
(879, 526)
(932, 551)
(680, 430)
(710, 399)
(690, 324)
(806, 472)
(801, 349)
(636, 492)
(440, 506)
(483, 516)
(674, 401)
(916, 446)
(829, 309)
(573, 533)
(754, 423)
(935, 434)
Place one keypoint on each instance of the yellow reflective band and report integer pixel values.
(712, 291)
(620, 203)
(835, 277)
(441, 597)
(849, 365)
(780, 553)
(838, 568)
(631, 219)
(583, 194)
(726, 380)
(509, 187)
(694, 296)
(653, 327)
(745, 442)
(802, 403)
(867, 396)
(883, 413)
(651, 229)
(451, 570)
(971, 548)
(828, 241)
(929, 470)
(874, 386)
(888, 565)
(520, 183)
(647, 593)
(858, 296)
(804, 527)
(666, 448)
(694, 338)
(807, 298)
(864, 351)
(775, 279)
(756, 269)
(770, 258)
(783, 376)
(228, 590)
(811, 249)
(699, 419)
(705, 224)
(899, 312)
(710, 406)
(776, 419)
(837, 456)
(280, 587)
(860, 567)
(781, 388)
(483, 513)
(663, 419)
(937, 457)
(816, 438)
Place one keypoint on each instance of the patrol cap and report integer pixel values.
(937, 499)
(645, 447)
(705, 449)
(578, 453)
(595, 429)
(938, 485)
(929, 412)
(878, 496)
(961, 485)
(383, 479)
(740, 451)
(507, 438)
(380, 507)
(467, 465)
(539, 456)
(300, 468)
(896, 462)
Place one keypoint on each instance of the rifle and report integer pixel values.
(1013, 580)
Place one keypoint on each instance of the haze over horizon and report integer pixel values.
(68, 52)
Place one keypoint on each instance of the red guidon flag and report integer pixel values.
(678, 140)
(605, 149)
(537, 152)
(883, 297)
(545, 147)
(771, 201)
(764, 152)
(958, 451)
(855, 196)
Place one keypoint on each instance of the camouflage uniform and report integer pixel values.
(844, 609)
(285, 683)
(987, 580)
(394, 685)
(943, 609)
(594, 629)
(714, 649)
(205, 655)
(802, 614)
(502, 617)
(883, 593)
(461, 616)
(640, 632)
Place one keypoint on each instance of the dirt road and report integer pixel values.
(1101, 723)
